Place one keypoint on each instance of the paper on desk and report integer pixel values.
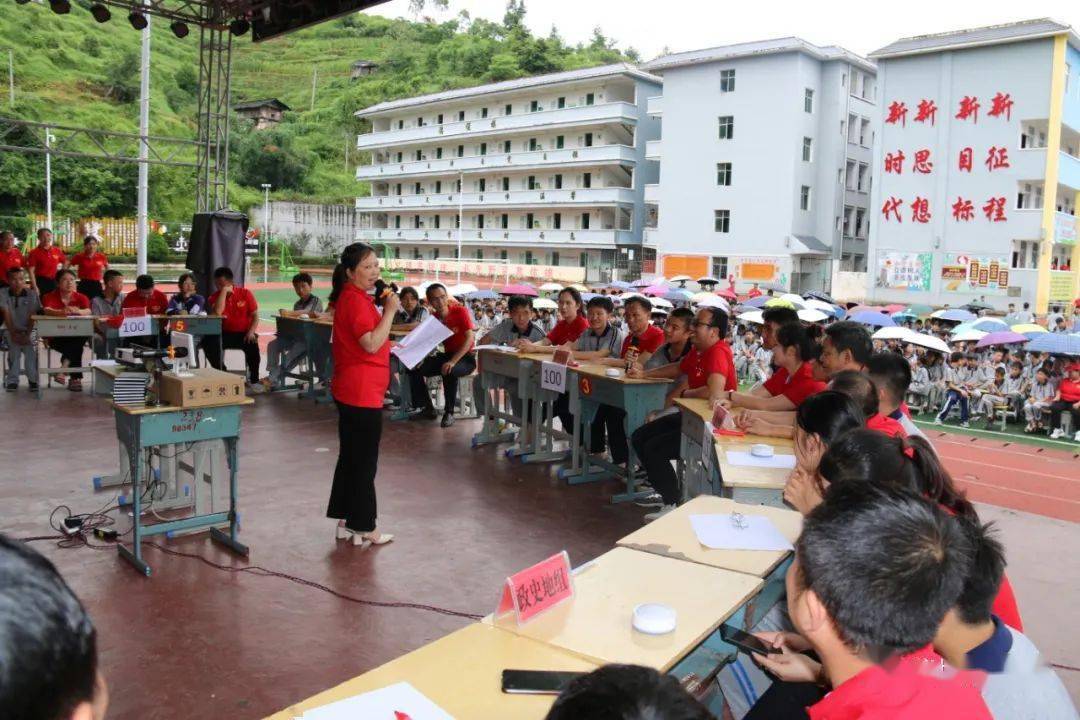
(388, 703)
(500, 348)
(103, 363)
(720, 533)
(419, 343)
(745, 459)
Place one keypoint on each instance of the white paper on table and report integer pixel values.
(104, 362)
(719, 532)
(500, 348)
(419, 343)
(381, 704)
(745, 459)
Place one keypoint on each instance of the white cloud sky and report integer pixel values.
(693, 24)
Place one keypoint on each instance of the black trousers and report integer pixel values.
(432, 366)
(352, 497)
(45, 285)
(71, 350)
(234, 341)
(562, 411)
(656, 445)
(613, 420)
(1060, 406)
(90, 288)
(785, 701)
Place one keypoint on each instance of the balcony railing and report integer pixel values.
(652, 193)
(496, 236)
(655, 105)
(480, 163)
(620, 112)
(652, 150)
(499, 198)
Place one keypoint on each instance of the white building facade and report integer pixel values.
(978, 167)
(543, 171)
(765, 163)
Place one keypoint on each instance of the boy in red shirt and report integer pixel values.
(455, 361)
(239, 325)
(44, 262)
(146, 296)
(1067, 399)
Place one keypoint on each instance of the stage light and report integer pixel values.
(60, 7)
(137, 20)
(21, 2)
(100, 12)
(179, 29)
(239, 26)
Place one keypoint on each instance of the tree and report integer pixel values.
(514, 17)
(417, 6)
(504, 66)
(122, 78)
(269, 156)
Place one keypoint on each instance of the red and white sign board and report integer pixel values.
(537, 589)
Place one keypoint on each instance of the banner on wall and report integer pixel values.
(904, 271)
(983, 274)
(759, 269)
(1061, 286)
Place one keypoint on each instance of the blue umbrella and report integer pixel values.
(990, 324)
(678, 295)
(587, 296)
(482, 295)
(758, 301)
(954, 315)
(904, 316)
(621, 285)
(869, 317)
(1055, 344)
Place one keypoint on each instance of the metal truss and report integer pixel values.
(78, 142)
(215, 80)
(202, 13)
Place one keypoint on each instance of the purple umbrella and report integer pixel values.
(656, 290)
(641, 283)
(1002, 337)
(758, 301)
(872, 317)
(519, 290)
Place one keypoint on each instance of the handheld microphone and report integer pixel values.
(170, 353)
(382, 290)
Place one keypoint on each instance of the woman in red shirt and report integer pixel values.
(91, 266)
(571, 325)
(361, 349)
(62, 302)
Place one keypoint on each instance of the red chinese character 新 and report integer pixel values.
(897, 111)
(920, 210)
(969, 107)
(965, 159)
(994, 209)
(895, 163)
(892, 206)
(1002, 103)
(927, 111)
(998, 157)
(963, 209)
(922, 162)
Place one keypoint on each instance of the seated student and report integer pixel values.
(745, 350)
(1019, 686)
(875, 570)
(188, 301)
(282, 355)
(48, 645)
(567, 330)
(920, 385)
(957, 392)
(456, 360)
(90, 265)
(993, 393)
(239, 313)
(865, 394)
(602, 339)
(1040, 395)
(818, 423)
(860, 455)
(708, 371)
(108, 310)
(891, 375)
(146, 296)
(63, 302)
(411, 313)
(678, 331)
(1066, 399)
(517, 328)
(793, 380)
(772, 320)
(18, 304)
(626, 692)
(846, 346)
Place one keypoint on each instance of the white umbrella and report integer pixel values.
(462, 289)
(927, 341)
(712, 301)
(794, 299)
(681, 278)
(753, 316)
(699, 297)
(550, 287)
(661, 303)
(968, 336)
(812, 316)
(544, 304)
(896, 332)
(815, 304)
(627, 295)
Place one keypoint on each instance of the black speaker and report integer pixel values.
(217, 240)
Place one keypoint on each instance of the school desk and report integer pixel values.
(198, 326)
(297, 329)
(54, 326)
(543, 434)
(502, 374)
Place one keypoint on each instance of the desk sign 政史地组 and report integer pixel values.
(537, 589)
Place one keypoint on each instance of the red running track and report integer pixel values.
(1020, 477)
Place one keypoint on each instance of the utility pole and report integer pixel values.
(460, 220)
(314, 79)
(48, 178)
(142, 221)
(266, 230)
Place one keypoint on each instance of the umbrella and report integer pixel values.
(754, 316)
(1002, 337)
(953, 315)
(977, 306)
(781, 302)
(1056, 344)
(678, 295)
(757, 302)
(519, 290)
(919, 309)
(823, 297)
(866, 308)
(893, 308)
(1027, 328)
(482, 295)
(708, 281)
(815, 304)
(929, 342)
(587, 296)
(990, 324)
(812, 316)
(620, 285)
(876, 319)
(713, 301)
(462, 289)
(551, 287)
(658, 289)
(545, 304)
(578, 286)
(728, 293)
(892, 333)
(658, 302)
(794, 299)
(903, 315)
(968, 336)
(699, 297)
(641, 283)
(681, 279)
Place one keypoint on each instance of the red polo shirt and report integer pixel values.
(240, 305)
(885, 424)
(649, 341)
(754, 292)
(360, 378)
(90, 267)
(53, 301)
(459, 320)
(1070, 391)
(156, 304)
(565, 332)
(699, 366)
(45, 263)
(797, 387)
(10, 259)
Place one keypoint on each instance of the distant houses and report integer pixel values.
(264, 113)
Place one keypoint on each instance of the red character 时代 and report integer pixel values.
(998, 157)
(895, 163)
(994, 209)
(962, 209)
(965, 159)
(920, 210)
(897, 112)
(1001, 105)
(927, 111)
(922, 162)
(969, 108)
(892, 207)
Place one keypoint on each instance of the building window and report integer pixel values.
(723, 173)
(584, 221)
(480, 254)
(502, 254)
(481, 184)
(804, 197)
(509, 109)
(727, 81)
(560, 140)
(554, 257)
(534, 106)
(560, 103)
(808, 101)
(533, 146)
(727, 127)
(399, 157)
(719, 267)
(849, 213)
(439, 119)
(397, 252)
(397, 222)
(556, 223)
(506, 184)
(840, 176)
(416, 253)
(865, 137)
(532, 182)
(461, 151)
(461, 116)
(853, 128)
(722, 221)
(419, 122)
(480, 222)
(483, 148)
(457, 221)
(419, 155)
(584, 259)
(860, 224)
(438, 186)
(852, 175)
(558, 181)
(438, 153)
(397, 188)
(504, 221)
(437, 220)
(417, 189)
(435, 254)
(529, 217)
(588, 139)
(807, 149)
(1025, 255)
(528, 257)
(864, 177)
(586, 180)
(400, 124)
(483, 112)
(590, 98)
(507, 147)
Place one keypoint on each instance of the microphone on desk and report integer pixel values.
(169, 353)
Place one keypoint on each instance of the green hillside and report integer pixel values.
(71, 70)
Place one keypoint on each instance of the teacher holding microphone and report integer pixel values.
(361, 351)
